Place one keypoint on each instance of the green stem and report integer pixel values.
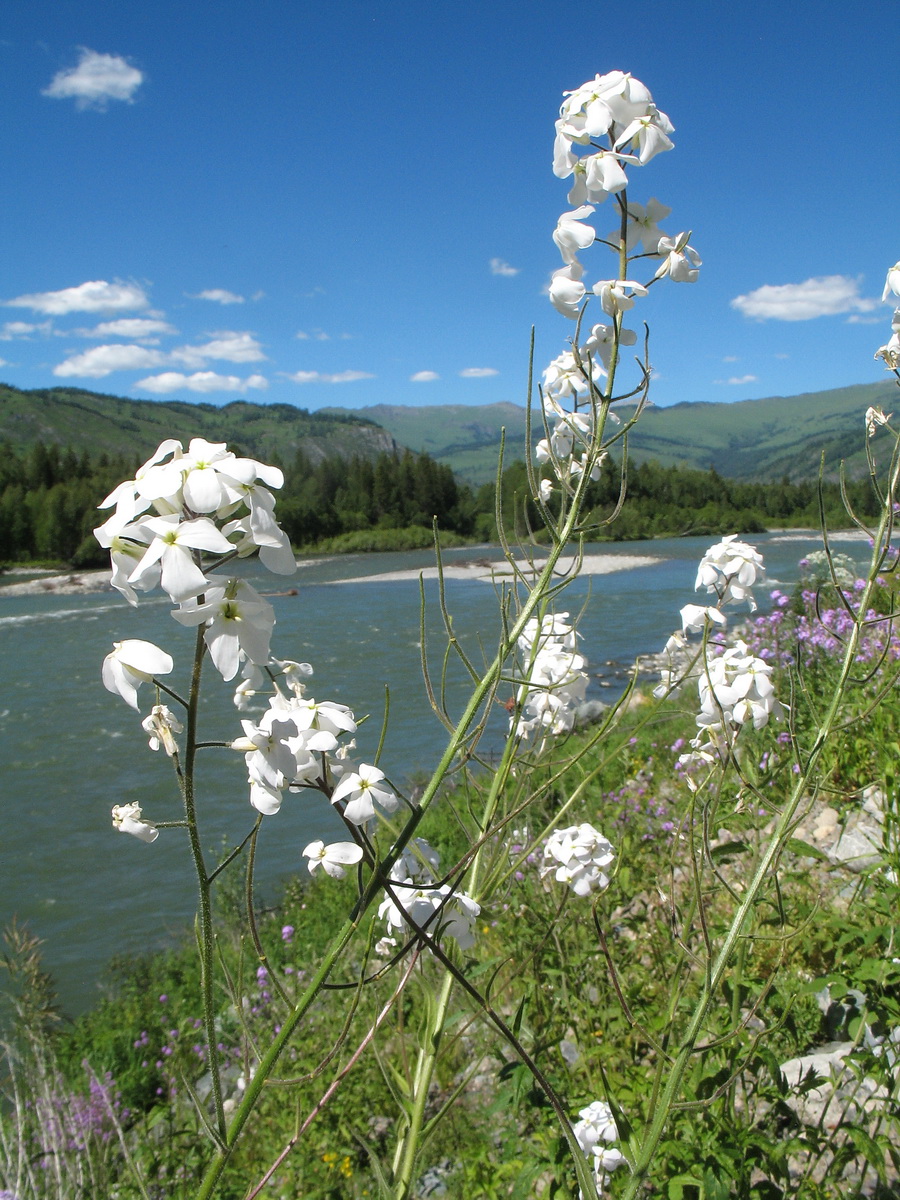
(407, 1148)
(206, 938)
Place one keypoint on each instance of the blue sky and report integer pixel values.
(348, 204)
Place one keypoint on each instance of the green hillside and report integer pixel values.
(747, 440)
(750, 439)
(466, 437)
(88, 421)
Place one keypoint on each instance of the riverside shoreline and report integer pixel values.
(75, 583)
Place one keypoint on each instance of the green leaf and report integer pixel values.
(805, 850)
(868, 1147)
(713, 1187)
(728, 850)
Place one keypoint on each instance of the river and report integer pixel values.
(69, 750)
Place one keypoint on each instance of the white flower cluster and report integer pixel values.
(595, 1133)
(554, 681)
(437, 910)
(734, 686)
(179, 507)
(620, 109)
(730, 569)
(890, 352)
(576, 856)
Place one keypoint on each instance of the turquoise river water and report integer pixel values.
(69, 750)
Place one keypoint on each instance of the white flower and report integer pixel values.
(264, 797)
(576, 855)
(695, 616)
(736, 687)
(642, 225)
(601, 340)
(682, 262)
(571, 235)
(892, 282)
(648, 134)
(417, 861)
(359, 791)
(267, 752)
(614, 297)
(595, 1127)
(567, 290)
(237, 620)
(566, 379)
(433, 910)
(173, 547)
(598, 176)
(127, 819)
(730, 568)
(162, 725)
(132, 663)
(333, 859)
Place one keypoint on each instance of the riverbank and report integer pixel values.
(83, 582)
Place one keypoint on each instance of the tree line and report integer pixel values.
(49, 497)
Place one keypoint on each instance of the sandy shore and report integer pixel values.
(73, 584)
(487, 572)
(82, 582)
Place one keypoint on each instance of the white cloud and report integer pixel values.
(103, 360)
(221, 296)
(729, 358)
(856, 319)
(424, 377)
(478, 372)
(499, 267)
(318, 334)
(3, 362)
(127, 327)
(824, 296)
(97, 79)
(94, 296)
(21, 329)
(318, 377)
(226, 345)
(737, 380)
(200, 381)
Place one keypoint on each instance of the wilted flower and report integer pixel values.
(162, 725)
(127, 819)
(874, 417)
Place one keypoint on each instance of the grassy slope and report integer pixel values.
(749, 439)
(89, 421)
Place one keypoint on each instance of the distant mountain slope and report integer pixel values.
(750, 439)
(94, 422)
